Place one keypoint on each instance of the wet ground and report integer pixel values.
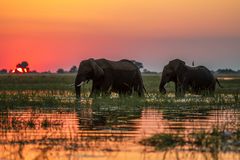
(86, 132)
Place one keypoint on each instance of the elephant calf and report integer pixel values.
(197, 80)
(122, 77)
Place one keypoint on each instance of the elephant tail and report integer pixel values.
(219, 83)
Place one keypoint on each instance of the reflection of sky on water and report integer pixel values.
(94, 133)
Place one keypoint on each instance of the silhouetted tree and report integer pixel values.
(226, 71)
(34, 71)
(60, 70)
(73, 69)
(145, 70)
(3, 71)
(18, 65)
(46, 72)
(148, 72)
(24, 64)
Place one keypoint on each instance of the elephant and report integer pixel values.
(107, 76)
(197, 80)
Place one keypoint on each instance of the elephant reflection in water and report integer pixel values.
(122, 77)
(100, 117)
(198, 80)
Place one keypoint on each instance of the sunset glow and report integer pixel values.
(59, 33)
(20, 70)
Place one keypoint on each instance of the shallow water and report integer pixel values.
(106, 133)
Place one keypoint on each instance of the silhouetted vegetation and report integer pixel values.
(23, 64)
(22, 67)
(163, 141)
(146, 71)
(227, 71)
(3, 71)
(73, 69)
(60, 71)
(213, 141)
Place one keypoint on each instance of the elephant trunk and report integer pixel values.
(161, 87)
(78, 82)
(78, 91)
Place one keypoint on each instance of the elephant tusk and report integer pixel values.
(72, 85)
(80, 84)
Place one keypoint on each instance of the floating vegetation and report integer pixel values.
(163, 141)
(18, 123)
(50, 123)
(213, 141)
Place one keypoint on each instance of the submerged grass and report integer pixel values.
(213, 141)
(18, 123)
(163, 141)
(52, 98)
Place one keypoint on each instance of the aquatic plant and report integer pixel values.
(163, 141)
(214, 141)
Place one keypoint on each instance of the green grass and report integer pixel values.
(36, 82)
(55, 90)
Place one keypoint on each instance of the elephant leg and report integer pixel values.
(178, 90)
(135, 88)
(92, 91)
(184, 87)
(140, 92)
(106, 88)
(122, 92)
(211, 90)
(140, 88)
(95, 90)
(181, 90)
(129, 93)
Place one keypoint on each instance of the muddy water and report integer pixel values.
(103, 133)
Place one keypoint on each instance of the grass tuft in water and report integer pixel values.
(31, 123)
(163, 141)
(213, 141)
(216, 140)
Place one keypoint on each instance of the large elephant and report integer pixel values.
(108, 76)
(198, 80)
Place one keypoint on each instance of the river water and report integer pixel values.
(112, 134)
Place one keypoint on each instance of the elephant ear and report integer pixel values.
(176, 65)
(98, 71)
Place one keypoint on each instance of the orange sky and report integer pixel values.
(50, 34)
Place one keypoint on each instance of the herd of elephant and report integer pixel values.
(124, 78)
